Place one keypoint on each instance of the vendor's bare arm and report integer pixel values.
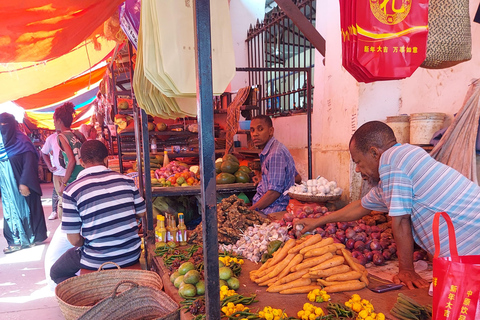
(350, 212)
(402, 232)
(75, 239)
(267, 199)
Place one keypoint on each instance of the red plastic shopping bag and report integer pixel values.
(456, 279)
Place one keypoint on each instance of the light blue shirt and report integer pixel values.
(413, 183)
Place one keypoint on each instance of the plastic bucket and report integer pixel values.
(424, 125)
(401, 127)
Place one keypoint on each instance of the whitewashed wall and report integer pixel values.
(341, 104)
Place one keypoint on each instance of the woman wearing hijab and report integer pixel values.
(24, 221)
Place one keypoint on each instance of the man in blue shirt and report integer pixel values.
(411, 186)
(277, 165)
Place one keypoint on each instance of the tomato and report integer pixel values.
(186, 174)
(172, 180)
(190, 181)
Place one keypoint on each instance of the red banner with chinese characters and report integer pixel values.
(456, 279)
(383, 39)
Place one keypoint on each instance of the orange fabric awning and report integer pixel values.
(44, 120)
(18, 80)
(62, 91)
(39, 30)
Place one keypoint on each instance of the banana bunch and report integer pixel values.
(408, 309)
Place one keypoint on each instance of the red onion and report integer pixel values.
(331, 230)
(335, 239)
(387, 254)
(320, 231)
(349, 233)
(342, 225)
(308, 210)
(356, 253)
(375, 245)
(384, 243)
(362, 259)
(368, 255)
(378, 259)
(288, 217)
(317, 215)
(359, 245)
(340, 234)
(282, 223)
(375, 235)
(298, 211)
(419, 255)
(302, 215)
(375, 229)
(349, 244)
(392, 248)
(317, 209)
(360, 237)
(357, 228)
(368, 229)
(311, 216)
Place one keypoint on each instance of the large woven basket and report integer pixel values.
(449, 34)
(317, 199)
(77, 295)
(136, 303)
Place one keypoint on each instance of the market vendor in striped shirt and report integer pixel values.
(277, 165)
(411, 186)
(100, 212)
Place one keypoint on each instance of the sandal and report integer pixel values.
(12, 248)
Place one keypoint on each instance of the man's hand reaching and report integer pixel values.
(410, 279)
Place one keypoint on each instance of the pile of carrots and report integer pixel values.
(303, 265)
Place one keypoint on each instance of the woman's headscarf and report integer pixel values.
(14, 141)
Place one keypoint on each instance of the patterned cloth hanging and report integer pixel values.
(233, 115)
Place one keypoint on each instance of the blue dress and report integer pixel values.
(24, 220)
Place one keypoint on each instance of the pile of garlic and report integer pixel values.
(255, 240)
(317, 187)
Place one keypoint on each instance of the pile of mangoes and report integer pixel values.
(229, 170)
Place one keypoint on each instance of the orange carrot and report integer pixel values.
(320, 251)
(312, 262)
(312, 240)
(349, 275)
(293, 276)
(350, 286)
(335, 261)
(320, 244)
(330, 271)
(303, 289)
(295, 283)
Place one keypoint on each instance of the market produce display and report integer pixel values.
(316, 187)
(233, 216)
(407, 308)
(303, 265)
(175, 174)
(257, 241)
(370, 239)
(229, 170)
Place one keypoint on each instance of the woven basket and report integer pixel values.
(77, 295)
(449, 34)
(137, 303)
(317, 199)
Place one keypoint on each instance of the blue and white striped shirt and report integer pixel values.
(101, 205)
(278, 174)
(412, 182)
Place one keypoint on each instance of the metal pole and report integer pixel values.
(309, 122)
(203, 63)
